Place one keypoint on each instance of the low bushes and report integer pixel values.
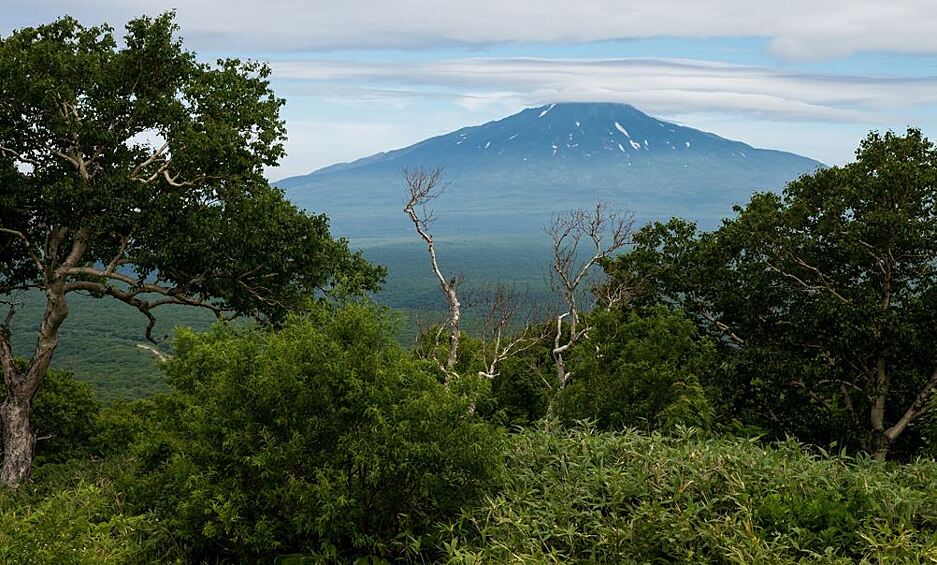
(75, 513)
(568, 495)
(580, 495)
(324, 441)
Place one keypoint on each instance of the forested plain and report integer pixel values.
(757, 393)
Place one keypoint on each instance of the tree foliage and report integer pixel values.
(640, 372)
(134, 171)
(823, 299)
(525, 385)
(149, 165)
(325, 438)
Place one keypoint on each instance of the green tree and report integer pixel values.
(133, 171)
(323, 437)
(525, 385)
(638, 371)
(823, 299)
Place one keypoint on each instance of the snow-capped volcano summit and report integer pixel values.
(554, 157)
(572, 130)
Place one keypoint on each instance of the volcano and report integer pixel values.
(508, 176)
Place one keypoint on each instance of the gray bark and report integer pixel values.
(19, 441)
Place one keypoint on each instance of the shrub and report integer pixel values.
(638, 371)
(119, 425)
(520, 392)
(74, 513)
(581, 496)
(524, 386)
(323, 438)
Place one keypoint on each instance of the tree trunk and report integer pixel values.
(917, 409)
(19, 441)
(880, 440)
(455, 319)
(561, 375)
(879, 397)
(880, 445)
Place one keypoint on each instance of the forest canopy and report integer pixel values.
(823, 299)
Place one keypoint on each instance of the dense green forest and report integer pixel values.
(104, 342)
(761, 392)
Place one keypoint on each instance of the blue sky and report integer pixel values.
(362, 76)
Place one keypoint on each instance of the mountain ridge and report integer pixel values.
(551, 158)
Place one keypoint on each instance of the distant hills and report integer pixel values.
(506, 177)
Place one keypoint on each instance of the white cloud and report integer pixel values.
(822, 116)
(798, 29)
(657, 85)
(402, 102)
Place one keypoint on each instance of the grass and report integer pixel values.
(578, 496)
(571, 496)
(74, 513)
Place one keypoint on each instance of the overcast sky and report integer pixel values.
(362, 76)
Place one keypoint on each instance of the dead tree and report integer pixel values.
(604, 232)
(422, 187)
(505, 309)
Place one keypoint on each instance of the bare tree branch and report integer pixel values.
(917, 409)
(423, 187)
(174, 180)
(725, 329)
(131, 297)
(79, 244)
(135, 173)
(160, 356)
(118, 259)
(7, 359)
(29, 247)
(19, 156)
(825, 282)
(505, 308)
(605, 232)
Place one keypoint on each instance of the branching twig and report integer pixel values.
(607, 232)
(19, 156)
(130, 296)
(423, 187)
(504, 308)
(29, 247)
